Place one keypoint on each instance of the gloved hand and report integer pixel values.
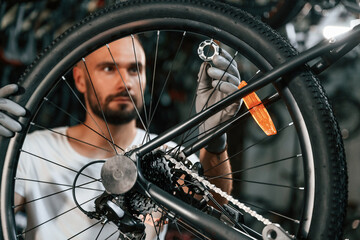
(214, 76)
(8, 125)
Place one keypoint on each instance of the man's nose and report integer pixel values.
(123, 79)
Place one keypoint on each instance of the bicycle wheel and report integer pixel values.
(296, 178)
(276, 13)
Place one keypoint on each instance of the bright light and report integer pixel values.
(333, 31)
(354, 22)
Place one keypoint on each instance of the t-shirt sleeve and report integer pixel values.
(21, 174)
(23, 170)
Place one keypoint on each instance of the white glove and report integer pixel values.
(8, 125)
(225, 83)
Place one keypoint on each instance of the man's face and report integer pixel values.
(114, 76)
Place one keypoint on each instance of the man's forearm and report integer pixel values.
(217, 165)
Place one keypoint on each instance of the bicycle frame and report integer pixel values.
(330, 51)
(326, 49)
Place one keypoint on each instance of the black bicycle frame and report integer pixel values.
(329, 51)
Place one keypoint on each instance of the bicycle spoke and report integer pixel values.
(168, 76)
(56, 193)
(246, 203)
(264, 183)
(112, 234)
(218, 205)
(156, 229)
(52, 162)
(57, 216)
(187, 227)
(177, 227)
(257, 166)
(97, 237)
(67, 136)
(99, 104)
(153, 76)
(188, 183)
(270, 99)
(272, 212)
(274, 174)
(84, 230)
(218, 84)
(192, 106)
(57, 184)
(226, 213)
(140, 82)
(126, 87)
(266, 138)
(102, 134)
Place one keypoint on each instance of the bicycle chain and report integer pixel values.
(180, 166)
(246, 209)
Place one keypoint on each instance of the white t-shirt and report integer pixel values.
(46, 171)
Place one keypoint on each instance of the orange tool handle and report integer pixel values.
(258, 111)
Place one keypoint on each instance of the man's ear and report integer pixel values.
(79, 78)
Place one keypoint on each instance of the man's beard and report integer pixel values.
(118, 116)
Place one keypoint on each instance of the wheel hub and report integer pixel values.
(119, 174)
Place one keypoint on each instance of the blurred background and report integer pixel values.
(29, 26)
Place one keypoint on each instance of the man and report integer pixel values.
(113, 98)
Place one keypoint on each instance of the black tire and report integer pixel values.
(274, 13)
(315, 212)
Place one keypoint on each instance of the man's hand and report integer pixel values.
(224, 76)
(9, 126)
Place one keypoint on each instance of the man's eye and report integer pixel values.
(109, 69)
(133, 70)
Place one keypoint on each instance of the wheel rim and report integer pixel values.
(10, 164)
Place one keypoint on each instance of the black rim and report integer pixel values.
(71, 59)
